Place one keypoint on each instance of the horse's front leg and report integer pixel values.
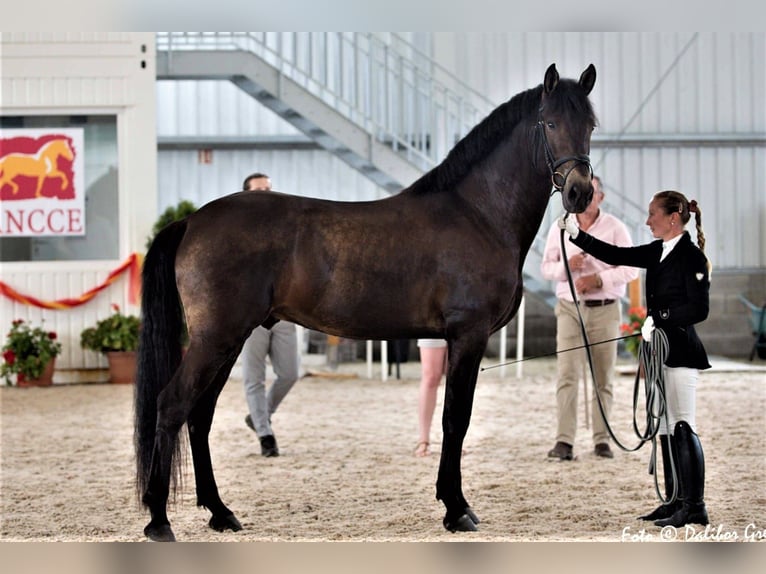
(199, 423)
(464, 359)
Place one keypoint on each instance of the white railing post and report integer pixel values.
(368, 356)
(520, 336)
(384, 361)
(503, 349)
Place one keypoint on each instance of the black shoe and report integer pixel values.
(249, 422)
(662, 511)
(687, 514)
(269, 445)
(602, 449)
(562, 451)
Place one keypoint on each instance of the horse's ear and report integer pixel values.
(588, 78)
(551, 79)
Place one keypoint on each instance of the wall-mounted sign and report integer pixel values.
(42, 190)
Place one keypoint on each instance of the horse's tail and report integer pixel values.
(159, 350)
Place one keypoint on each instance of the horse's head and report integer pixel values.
(60, 148)
(566, 121)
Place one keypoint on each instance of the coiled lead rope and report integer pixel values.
(651, 357)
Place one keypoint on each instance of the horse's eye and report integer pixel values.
(551, 125)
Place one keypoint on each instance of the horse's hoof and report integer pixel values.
(472, 515)
(159, 533)
(463, 524)
(221, 523)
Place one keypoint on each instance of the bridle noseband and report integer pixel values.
(558, 180)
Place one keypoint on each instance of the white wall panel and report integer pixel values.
(308, 173)
(676, 84)
(213, 108)
(55, 281)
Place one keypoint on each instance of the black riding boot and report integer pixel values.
(665, 510)
(691, 470)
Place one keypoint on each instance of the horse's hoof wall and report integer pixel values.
(472, 515)
(161, 533)
(221, 523)
(462, 524)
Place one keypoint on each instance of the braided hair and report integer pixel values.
(676, 202)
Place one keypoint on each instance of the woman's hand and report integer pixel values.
(569, 224)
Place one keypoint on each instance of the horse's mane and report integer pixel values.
(493, 129)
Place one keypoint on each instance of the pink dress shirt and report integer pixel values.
(606, 228)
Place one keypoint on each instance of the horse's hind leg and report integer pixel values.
(464, 360)
(174, 406)
(199, 423)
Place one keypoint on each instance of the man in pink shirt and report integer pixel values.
(599, 288)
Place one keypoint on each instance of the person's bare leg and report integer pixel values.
(432, 360)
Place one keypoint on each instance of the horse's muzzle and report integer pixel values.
(577, 197)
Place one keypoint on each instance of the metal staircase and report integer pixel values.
(373, 100)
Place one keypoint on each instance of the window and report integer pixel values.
(101, 238)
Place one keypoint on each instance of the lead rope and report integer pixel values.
(652, 358)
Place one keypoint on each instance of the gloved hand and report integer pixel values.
(647, 329)
(569, 224)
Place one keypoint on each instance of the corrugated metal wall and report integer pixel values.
(212, 108)
(205, 108)
(677, 111)
(309, 173)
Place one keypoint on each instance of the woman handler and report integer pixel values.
(677, 297)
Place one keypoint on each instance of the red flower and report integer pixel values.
(17, 322)
(9, 357)
(115, 307)
(52, 335)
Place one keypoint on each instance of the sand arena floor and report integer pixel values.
(347, 473)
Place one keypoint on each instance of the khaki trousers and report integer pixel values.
(601, 323)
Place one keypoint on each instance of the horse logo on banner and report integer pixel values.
(37, 167)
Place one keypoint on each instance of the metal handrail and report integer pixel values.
(375, 84)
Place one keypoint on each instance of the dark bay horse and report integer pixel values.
(254, 258)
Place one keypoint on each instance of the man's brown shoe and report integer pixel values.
(602, 449)
(562, 451)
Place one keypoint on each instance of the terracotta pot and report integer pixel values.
(122, 366)
(45, 379)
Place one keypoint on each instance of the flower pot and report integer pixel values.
(122, 366)
(45, 379)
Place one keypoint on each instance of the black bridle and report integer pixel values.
(558, 180)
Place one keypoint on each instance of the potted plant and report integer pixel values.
(636, 318)
(29, 353)
(116, 337)
(171, 214)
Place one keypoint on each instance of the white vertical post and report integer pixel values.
(383, 361)
(520, 336)
(369, 359)
(300, 333)
(503, 349)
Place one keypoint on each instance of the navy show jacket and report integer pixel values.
(677, 290)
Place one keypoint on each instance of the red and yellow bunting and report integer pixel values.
(132, 264)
